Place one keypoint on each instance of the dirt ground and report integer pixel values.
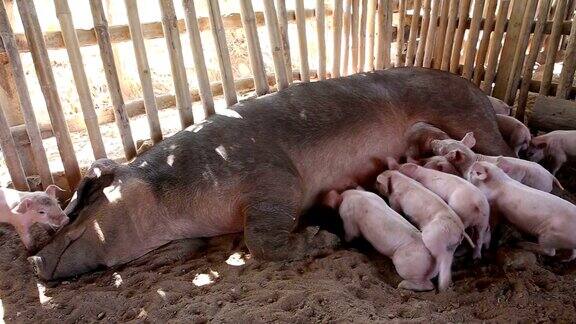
(215, 280)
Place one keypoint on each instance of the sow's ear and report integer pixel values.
(469, 140)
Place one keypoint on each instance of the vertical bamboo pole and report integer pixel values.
(103, 38)
(254, 51)
(472, 42)
(554, 40)
(321, 32)
(400, 32)
(222, 51)
(8, 148)
(520, 53)
(423, 34)
(483, 47)
(450, 33)
(385, 34)
(302, 42)
(275, 44)
(346, 32)
(441, 34)
(48, 85)
(527, 71)
(79, 74)
(411, 51)
(354, 31)
(198, 57)
(431, 38)
(569, 67)
(459, 37)
(24, 97)
(371, 32)
(362, 44)
(282, 18)
(495, 46)
(337, 34)
(181, 88)
(143, 70)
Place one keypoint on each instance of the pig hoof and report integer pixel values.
(36, 263)
(416, 286)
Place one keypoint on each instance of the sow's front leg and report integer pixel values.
(271, 212)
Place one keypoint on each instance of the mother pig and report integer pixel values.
(257, 169)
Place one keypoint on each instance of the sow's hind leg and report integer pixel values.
(271, 212)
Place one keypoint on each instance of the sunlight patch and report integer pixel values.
(1, 312)
(98, 172)
(303, 114)
(170, 159)
(162, 294)
(143, 164)
(204, 279)
(113, 193)
(230, 113)
(237, 259)
(100, 233)
(117, 279)
(221, 150)
(197, 127)
(42, 294)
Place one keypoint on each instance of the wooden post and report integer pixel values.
(472, 42)
(483, 47)
(276, 45)
(49, 90)
(302, 41)
(282, 19)
(362, 44)
(423, 34)
(23, 95)
(527, 71)
(103, 37)
(411, 51)
(450, 33)
(170, 27)
(346, 32)
(385, 34)
(459, 37)
(143, 70)
(82, 87)
(320, 29)
(431, 38)
(520, 53)
(509, 48)
(336, 37)
(11, 155)
(554, 40)
(567, 74)
(198, 56)
(354, 30)
(400, 32)
(371, 32)
(495, 46)
(254, 51)
(222, 51)
(441, 34)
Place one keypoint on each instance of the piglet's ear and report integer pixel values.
(408, 168)
(455, 156)
(24, 206)
(332, 199)
(542, 145)
(469, 140)
(52, 189)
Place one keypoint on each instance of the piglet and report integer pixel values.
(439, 163)
(514, 132)
(23, 209)
(552, 220)
(442, 147)
(465, 199)
(441, 228)
(365, 213)
(499, 106)
(559, 146)
(418, 138)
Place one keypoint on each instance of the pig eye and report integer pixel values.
(42, 212)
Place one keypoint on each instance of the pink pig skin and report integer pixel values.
(515, 133)
(558, 145)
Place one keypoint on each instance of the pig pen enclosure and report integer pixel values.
(89, 79)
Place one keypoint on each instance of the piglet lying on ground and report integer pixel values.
(550, 218)
(23, 209)
(515, 133)
(464, 198)
(365, 213)
(559, 146)
(441, 228)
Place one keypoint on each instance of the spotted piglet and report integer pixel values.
(365, 213)
(559, 146)
(441, 228)
(23, 209)
(552, 220)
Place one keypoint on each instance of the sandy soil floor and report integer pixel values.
(215, 280)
